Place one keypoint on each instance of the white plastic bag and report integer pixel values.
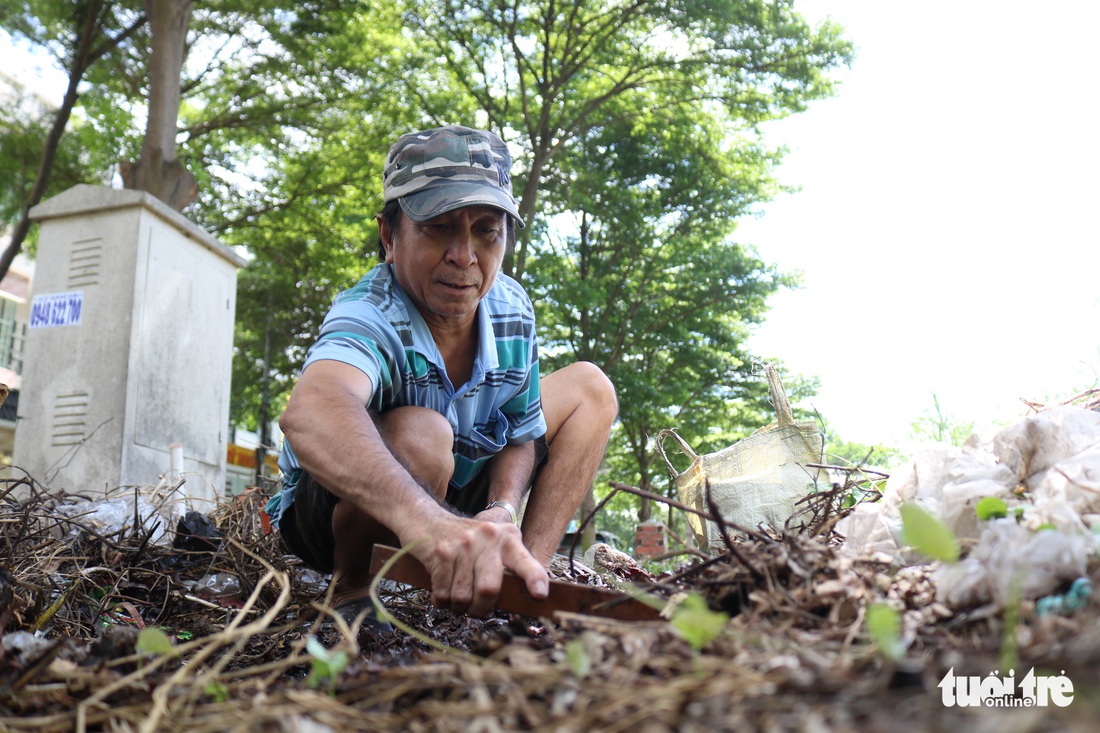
(126, 514)
(1010, 562)
(1046, 469)
(756, 481)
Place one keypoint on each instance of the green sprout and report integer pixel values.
(884, 626)
(327, 665)
(696, 623)
(927, 534)
(154, 641)
(991, 507)
(576, 656)
(218, 691)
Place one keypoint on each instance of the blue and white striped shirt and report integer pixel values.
(376, 327)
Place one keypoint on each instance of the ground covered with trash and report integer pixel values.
(841, 622)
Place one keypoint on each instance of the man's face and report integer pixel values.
(447, 264)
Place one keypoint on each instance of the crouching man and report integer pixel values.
(420, 418)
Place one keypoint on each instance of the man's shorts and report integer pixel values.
(306, 525)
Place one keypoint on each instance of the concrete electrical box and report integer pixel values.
(129, 346)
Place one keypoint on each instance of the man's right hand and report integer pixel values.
(338, 443)
(466, 559)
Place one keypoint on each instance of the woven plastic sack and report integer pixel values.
(756, 481)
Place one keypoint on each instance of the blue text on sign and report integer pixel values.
(56, 309)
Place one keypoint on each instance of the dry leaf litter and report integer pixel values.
(80, 580)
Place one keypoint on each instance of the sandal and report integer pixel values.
(355, 608)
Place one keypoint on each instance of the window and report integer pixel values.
(12, 335)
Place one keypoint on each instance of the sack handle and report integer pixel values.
(684, 448)
(779, 397)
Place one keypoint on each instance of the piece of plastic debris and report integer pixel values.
(196, 533)
(217, 587)
(1074, 599)
(23, 646)
(1046, 471)
(311, 580)
(1010, 563)
(125, 516)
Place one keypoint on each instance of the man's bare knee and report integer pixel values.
(598, 389)
(422, 441)
(592, 391)
(581, 396)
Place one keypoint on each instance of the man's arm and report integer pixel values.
(337, 442)
(509, 472)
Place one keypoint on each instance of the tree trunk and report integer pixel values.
(588, 505)
(264, 430)
(515, 260)
(157, 171)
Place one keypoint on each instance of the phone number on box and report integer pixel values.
(57, 309)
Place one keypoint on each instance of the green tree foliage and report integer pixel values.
(545, 73)
(307, 215)
(78, 35)
(24, 128)
(645, 283)
(938, 426)
(635, 131)
(848, 454)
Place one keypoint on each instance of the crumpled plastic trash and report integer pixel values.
(1047, 471)
(311, 581)
(945, 480)
(217, 587)
(196, 533)
(110, 517)
(22, 647)
(1011, 562)
(1042, 441)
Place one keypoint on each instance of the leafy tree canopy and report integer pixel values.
(635, 129)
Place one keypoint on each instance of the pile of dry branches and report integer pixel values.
(793, 656)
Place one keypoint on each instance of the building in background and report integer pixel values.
(240, 467)
(14, 309)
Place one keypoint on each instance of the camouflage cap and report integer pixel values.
(446, 168)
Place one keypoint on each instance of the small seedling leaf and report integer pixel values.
(884, 625)
(696, 623)
(927, 534)
(153, 641)
(326, 664)
(577, 658)
(991, 507)
(218, 691)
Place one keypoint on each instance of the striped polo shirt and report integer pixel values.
(377, 328)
